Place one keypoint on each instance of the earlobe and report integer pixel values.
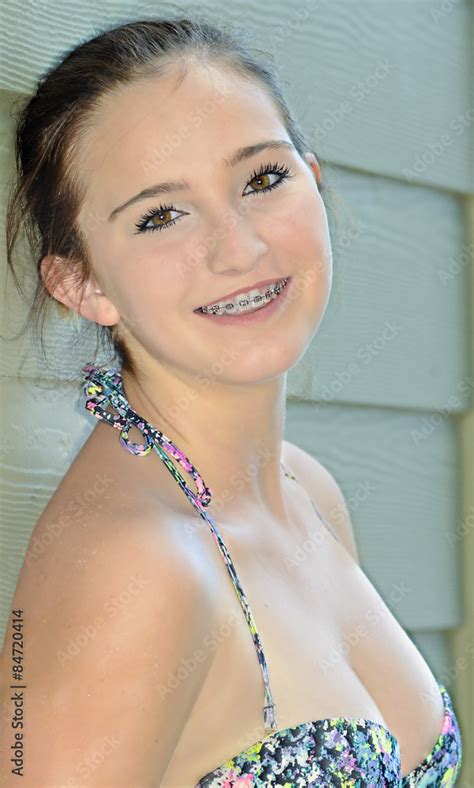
(96, 306)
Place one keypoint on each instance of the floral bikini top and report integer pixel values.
(347, 752)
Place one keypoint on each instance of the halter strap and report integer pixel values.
(103, 390)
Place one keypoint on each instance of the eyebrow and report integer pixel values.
(171, 186)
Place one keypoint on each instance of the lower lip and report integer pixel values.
(256, 316)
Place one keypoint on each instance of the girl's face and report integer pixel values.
(160, 252)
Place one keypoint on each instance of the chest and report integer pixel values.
(297, 586)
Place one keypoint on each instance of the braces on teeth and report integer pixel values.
(213, 310)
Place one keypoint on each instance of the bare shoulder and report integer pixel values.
(116, 606)
(324, 490)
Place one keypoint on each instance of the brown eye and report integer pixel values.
(157, 219)
(262, 178)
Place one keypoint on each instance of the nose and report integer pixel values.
(235, 244)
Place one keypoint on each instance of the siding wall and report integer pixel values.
(384, 393)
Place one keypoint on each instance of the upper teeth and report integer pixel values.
(244, 302)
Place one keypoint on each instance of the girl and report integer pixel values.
(180, 210)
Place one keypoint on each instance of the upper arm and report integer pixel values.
(108, 645)
(323, 489)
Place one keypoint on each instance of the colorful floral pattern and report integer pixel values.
(340, 752)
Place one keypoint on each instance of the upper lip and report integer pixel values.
(248, 289)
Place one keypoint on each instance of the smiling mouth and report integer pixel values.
(246, 304)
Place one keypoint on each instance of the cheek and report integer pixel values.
(153, 290)
(147, 282)
(300, 238)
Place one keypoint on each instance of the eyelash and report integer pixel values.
(280, 169)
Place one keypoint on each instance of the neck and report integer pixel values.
(232, 434)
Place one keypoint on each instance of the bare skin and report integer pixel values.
(220, 394)
(326, 655)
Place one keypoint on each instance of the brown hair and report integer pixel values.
(46, 198)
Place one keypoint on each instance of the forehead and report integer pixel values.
(164, 126)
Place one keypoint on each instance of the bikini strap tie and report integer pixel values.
(103, 390)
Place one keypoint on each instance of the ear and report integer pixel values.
(60, 279)
(313, 163)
